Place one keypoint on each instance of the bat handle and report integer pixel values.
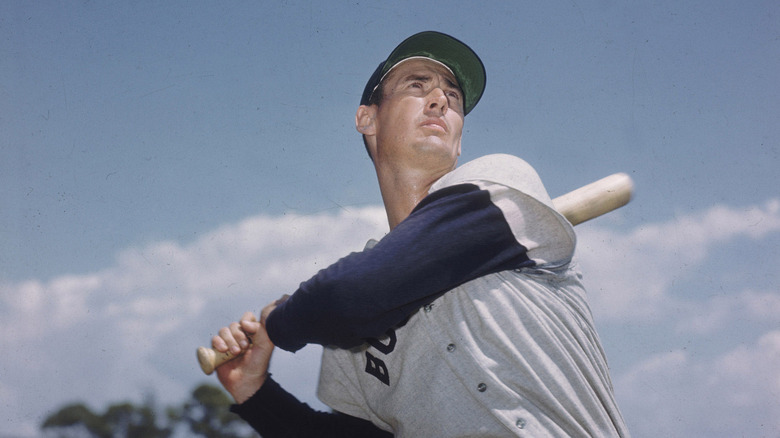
(210, 359)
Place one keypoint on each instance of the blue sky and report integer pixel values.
(168, 165)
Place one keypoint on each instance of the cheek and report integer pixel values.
(400, 117)
(457, 125)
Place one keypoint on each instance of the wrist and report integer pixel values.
(244, 391)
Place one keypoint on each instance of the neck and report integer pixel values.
(403, 188)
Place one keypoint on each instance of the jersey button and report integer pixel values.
(520, 423)
(481, 387)
(451, 348)
(428, 308)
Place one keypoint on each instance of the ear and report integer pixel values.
(365, 119)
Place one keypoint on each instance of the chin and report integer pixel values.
(436, 144)
(438, 155)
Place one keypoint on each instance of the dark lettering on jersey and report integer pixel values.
(376, 366)
(384, 349)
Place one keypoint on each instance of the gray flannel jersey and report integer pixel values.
(510, 353)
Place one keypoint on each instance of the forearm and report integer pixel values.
(273, 412)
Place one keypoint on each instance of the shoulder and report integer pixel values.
(515, 188)
(506, 170)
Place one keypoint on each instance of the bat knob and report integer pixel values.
(207, 359)
(210, 359)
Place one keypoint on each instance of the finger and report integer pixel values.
(238, 334)
(266, 311)
(249, 316)
(219, 344)
(230, 343)
(250, 327)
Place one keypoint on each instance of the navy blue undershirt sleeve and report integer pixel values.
(453, 236)
(273, 412)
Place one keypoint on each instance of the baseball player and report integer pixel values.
(467, 319)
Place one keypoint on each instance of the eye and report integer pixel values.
(454, 95)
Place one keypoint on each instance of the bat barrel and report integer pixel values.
(596, 198)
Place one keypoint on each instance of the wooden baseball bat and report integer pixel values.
(580, 205)
(210, 359)
(595, 199)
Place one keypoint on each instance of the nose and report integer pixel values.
(437, 101)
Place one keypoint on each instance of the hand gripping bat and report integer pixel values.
(580, 205)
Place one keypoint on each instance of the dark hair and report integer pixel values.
(376, 99)
(377, 95)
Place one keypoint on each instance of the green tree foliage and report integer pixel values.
(74, 420)
(207, 414)
(204, 414)
(128, 420)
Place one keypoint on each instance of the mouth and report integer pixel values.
(435, 124)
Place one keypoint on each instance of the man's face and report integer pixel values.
(421, 115)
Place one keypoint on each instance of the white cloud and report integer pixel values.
(724, 310)
(735, 394)
(114, 334)
(750, 371)
(629, 274)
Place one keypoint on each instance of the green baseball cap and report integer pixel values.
(454, 54)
